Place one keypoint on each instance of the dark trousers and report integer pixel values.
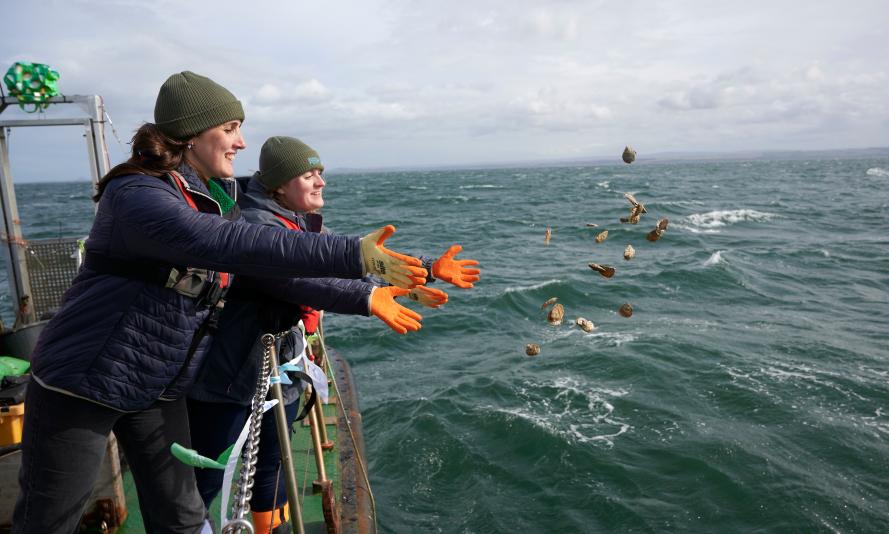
(63, 446)
(215, 426)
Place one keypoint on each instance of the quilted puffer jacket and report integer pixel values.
(122, 342)
(258, 306)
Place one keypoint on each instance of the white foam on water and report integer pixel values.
(877, 171)
(806, 375)
(418, 187)
(454, 199)
(824, 253)
(677, 203)
(878, 422)
(578, 412)
(613, 338)
(522, 289)
(481, 186)
(722, 218)
(604, 184)
(695, 230)
(714, 259)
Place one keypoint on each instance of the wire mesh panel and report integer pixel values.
(52, 264)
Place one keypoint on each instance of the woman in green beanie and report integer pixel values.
(287, 192)
(130, 333)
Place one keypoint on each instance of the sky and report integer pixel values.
(375, 84)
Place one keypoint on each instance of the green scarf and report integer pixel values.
(219, 195)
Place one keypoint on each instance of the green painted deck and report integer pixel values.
(304, 468)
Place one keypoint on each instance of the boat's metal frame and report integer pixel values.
(14, 245)
(108, 502)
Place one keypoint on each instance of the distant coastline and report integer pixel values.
(645, 159)
(654, 158)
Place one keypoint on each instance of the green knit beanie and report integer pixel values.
(189, 103)
(282, 158)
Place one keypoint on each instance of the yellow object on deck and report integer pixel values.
(11, 421)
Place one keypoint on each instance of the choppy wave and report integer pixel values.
(877, 171)
(453, 199)
(721, 218)
(714, 259)
(481, 186)
(571, 409)
(523, 289)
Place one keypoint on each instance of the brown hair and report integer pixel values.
(154, 154)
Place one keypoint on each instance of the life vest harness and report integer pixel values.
(205, 286)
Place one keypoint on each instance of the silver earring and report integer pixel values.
(188, 146)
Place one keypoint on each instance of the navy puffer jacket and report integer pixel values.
(258, 306)
(122, 342)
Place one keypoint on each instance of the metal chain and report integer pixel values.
(249, 456)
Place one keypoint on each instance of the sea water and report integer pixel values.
(748, 392)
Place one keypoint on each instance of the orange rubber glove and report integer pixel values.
(397, 269)
(399, 318)
(453, 271)
(427, 296)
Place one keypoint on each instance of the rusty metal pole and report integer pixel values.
(284, 441)
(316, 444)
(321, 361)
(326, 444)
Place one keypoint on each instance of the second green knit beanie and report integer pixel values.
(282, 158)
(189, 103)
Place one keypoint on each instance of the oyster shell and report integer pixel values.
(602, 236)
(585, 324)
(626, 310)
(604, 270)
(636, 210)
(629, 155)
(556, 314)
(532, 349)
(629, 252)
(658, 231)
(547, 236)
(548, 303)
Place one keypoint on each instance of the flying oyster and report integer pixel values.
(547, 236)
(604, 270)
(548, 303)
(585, 324)
(629, 252)
(556, 314)
(629, 155)
(602, 236)
(658, 231)
(636, 210)
(532, 349)
(626, 310)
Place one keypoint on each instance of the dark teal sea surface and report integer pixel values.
(749, 391)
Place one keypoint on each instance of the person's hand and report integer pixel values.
(399, 318)
(457, 272)
(427, 296)
(397, 269)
